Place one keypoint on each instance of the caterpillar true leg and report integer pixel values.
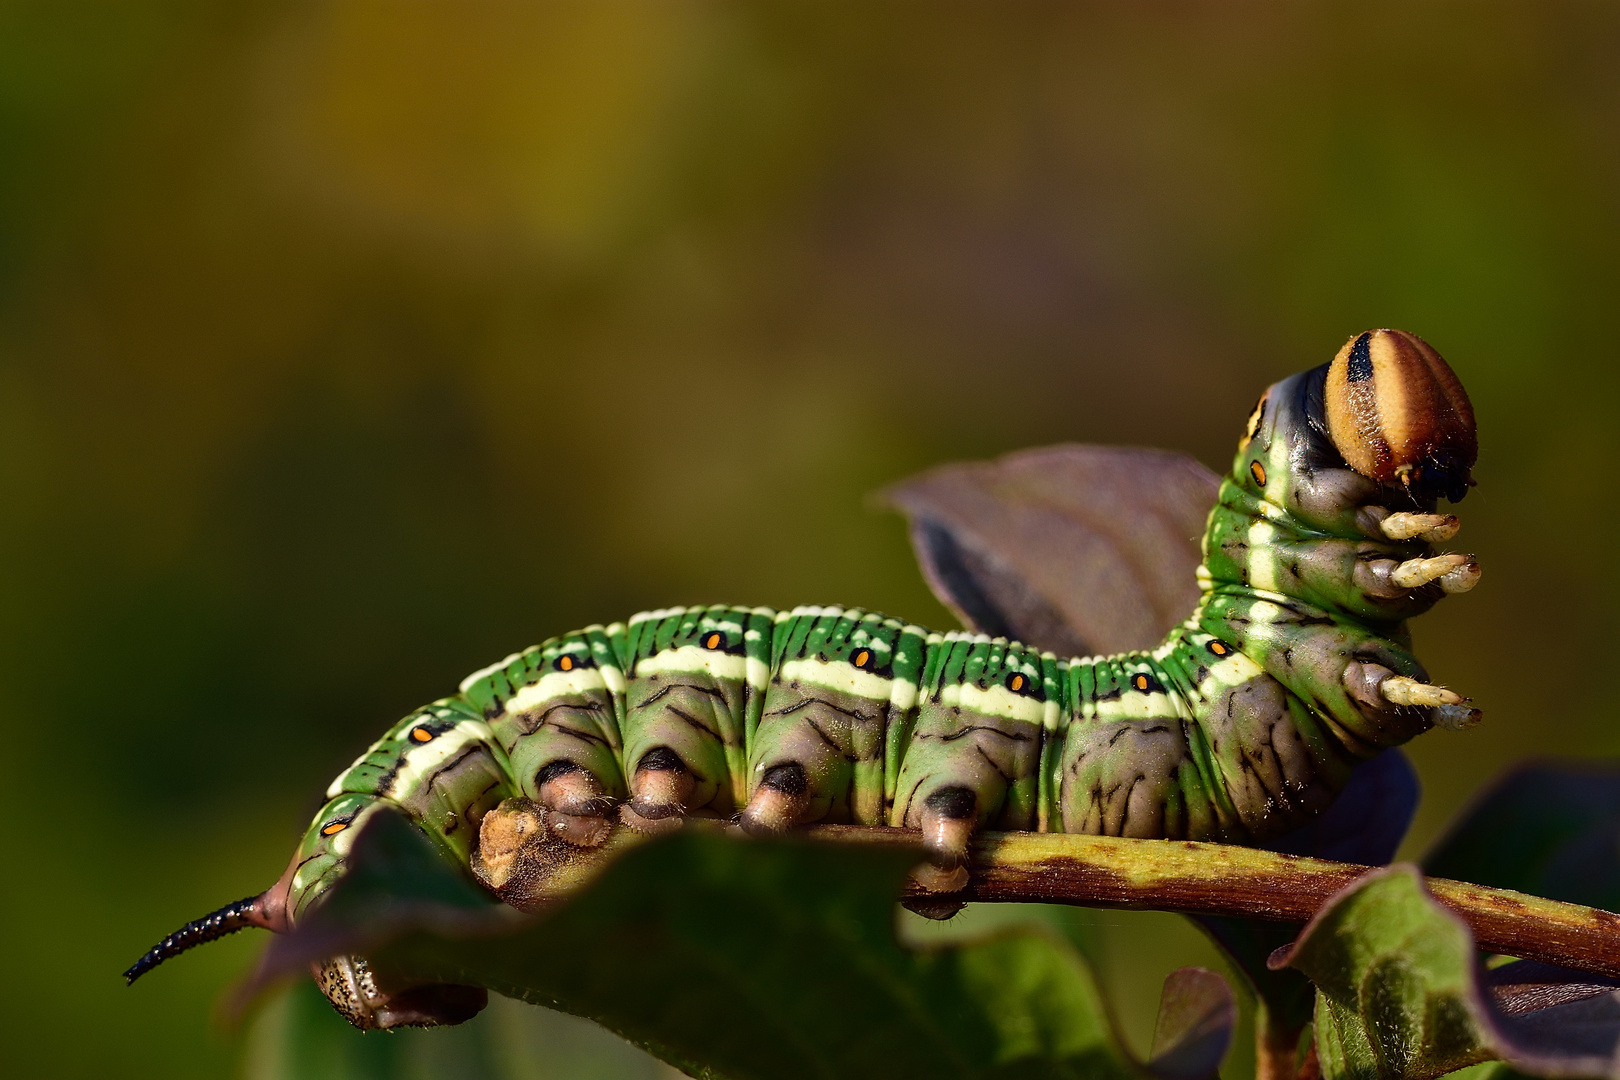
(1434, 528)
(1461, 579)
(1403, 691)
(1414, 573)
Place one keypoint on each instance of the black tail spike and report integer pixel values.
(227, 920)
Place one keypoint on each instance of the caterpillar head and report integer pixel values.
(1385, 426)
(1397, 414)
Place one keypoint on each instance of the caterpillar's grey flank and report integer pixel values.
(1241, 724)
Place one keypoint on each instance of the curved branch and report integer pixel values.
(1161, 875)
(1221, 879)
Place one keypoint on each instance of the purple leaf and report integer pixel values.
(1076, 549)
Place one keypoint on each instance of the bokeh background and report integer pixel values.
(345, 347)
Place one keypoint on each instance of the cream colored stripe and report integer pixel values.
(758, 673)
(423, 759)
(840, 675)
(1134, 705)
(555, 684)
(1262, 561)
(689, 659)
(999, 701)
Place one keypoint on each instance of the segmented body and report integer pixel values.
(1244, 722)
(1239, 726)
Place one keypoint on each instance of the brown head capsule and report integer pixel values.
(1396, 413)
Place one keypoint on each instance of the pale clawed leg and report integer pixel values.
(660, 791)
(1462, 570)
(1399, 690)
(1454, 573)
(1376, 687)
(1432, 528)
(1462, 578)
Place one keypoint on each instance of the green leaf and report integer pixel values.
(298, 1036)
(1401, 993)
(1547, 830)
(1365, 825)
(742, 958)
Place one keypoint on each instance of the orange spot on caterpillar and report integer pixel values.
(714, 640)
(332, 828)
(863, 658)
(421, 734)
(1140, 682)
(1258, 471)
(1016, 683)
(565, 663)
(1219, 648)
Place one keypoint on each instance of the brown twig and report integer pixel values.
(1219, 879)
(1180, 875)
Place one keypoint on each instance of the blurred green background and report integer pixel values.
(347, 347)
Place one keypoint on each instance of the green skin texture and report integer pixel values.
(1237, 728)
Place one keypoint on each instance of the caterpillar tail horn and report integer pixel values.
(237, 915)
(347, 981)
(267, 910)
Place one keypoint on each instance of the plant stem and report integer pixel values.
(1220, 879)
(1275, 1048)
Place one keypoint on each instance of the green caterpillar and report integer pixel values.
(1243, 723)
